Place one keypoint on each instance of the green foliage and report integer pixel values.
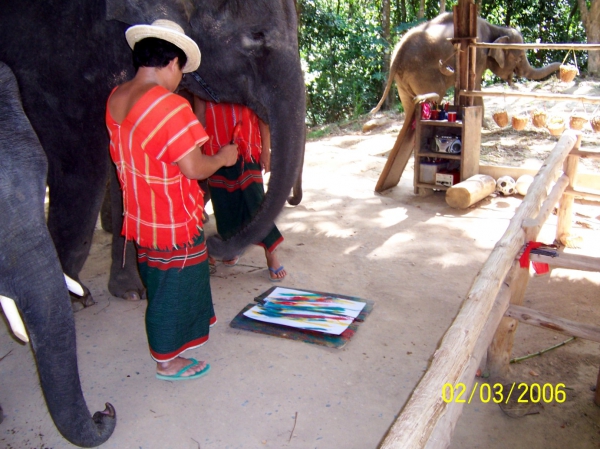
(343, 60)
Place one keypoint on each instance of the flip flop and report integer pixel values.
(231, 262)
(178, 375)
(276, 272)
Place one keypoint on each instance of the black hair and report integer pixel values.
(155, 52)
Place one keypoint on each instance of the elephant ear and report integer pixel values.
(498, 53)
(134, 12)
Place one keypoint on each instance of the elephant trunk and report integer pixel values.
(284, 100)
(46, 308)
(525, 70)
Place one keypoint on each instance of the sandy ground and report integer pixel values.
(415, 257)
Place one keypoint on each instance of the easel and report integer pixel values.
(465, 33)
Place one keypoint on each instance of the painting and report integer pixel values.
(306, 310)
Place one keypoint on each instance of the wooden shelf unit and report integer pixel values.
(467, 128)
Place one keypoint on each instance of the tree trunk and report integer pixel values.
(421, 12)
(442, 6)
(385, 26)
(591, 22)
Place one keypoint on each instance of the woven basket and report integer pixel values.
(501, 118)
(577, 121)
(568, 73)
(595, 122)
(519, 122)
(538, 118)
(556, 126)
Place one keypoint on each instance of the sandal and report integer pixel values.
(276, 272)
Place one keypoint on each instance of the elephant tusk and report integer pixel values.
(74, 286)
(14, 318)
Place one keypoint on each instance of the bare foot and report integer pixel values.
(276, 270)
(174, 366)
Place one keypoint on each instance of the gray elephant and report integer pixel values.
(32, 276)
(417, 70)
(68, 55)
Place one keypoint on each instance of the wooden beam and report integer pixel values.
(425, 407)
(579, 194)
(592, 99)
(554, 323)
(582, 47)
(569, 261)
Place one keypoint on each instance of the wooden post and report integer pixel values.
(565, 208)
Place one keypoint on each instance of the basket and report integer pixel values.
(595, 122)
(568, 72)
(501, 118)
(519, 122)
(538, 118)
(556, 126)
(577, 121)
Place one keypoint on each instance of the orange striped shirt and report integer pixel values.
(221, 118)
(162, 208)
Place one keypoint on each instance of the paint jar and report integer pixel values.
(451, 116)
(435, 114)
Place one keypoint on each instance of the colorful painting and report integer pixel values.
(305, 310)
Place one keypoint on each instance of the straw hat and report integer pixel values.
(170, 32)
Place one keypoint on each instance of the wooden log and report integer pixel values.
(424, 408)
(554, 323)
(555, 194)
(445, 426)
(470, 191)
(568, 261)
(581, 194)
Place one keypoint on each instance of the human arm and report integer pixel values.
(196, 165)
(265, 154)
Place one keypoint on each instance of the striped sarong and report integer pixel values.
(180, 308)
(236, 193)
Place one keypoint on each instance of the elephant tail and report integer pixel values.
(385, 93)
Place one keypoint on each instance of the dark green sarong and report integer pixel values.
(180, 308)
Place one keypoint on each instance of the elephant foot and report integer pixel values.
(132, 295)
(81, 302)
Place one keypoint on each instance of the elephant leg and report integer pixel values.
(125, 281)
(106, 210)
(72, 215)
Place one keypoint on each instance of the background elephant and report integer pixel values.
(416, 60)
(31, 274)
(68, 55)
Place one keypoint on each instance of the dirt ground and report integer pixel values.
(414, 256)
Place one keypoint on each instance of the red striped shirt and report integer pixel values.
(221, 118)
(162, 208)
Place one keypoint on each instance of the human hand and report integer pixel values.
(229, 153)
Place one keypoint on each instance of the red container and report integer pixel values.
(451, 116)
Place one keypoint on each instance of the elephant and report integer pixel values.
(68, 55)
(422, 61)
(32, 277)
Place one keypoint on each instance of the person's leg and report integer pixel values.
(180, 309)
(228, 203)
